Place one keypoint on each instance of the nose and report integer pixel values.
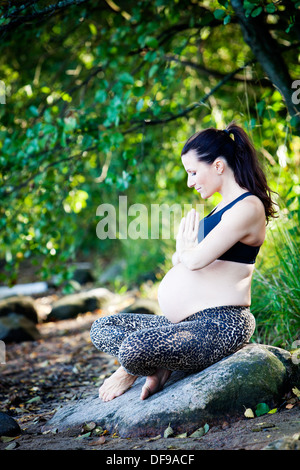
(190, 183)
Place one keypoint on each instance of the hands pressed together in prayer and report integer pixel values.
(187, 236)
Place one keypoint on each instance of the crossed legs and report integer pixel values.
(115, 329)
(152, 346)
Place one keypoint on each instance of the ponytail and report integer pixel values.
(240, 155)
(248, 172)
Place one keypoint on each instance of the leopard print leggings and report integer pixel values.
(144, 342)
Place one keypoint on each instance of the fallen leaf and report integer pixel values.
(200, 432)
(184, 434)
(154, 438)
(296, 391)
(34, 399)
(99, 441)
(89, 426)
(7, 439)
(98, 430)
(249, 413)
(168, 432)
(83, 436)
(12, 446)
(271, 412)
(261, 409)
(289, 406)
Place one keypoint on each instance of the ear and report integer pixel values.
(219, 165)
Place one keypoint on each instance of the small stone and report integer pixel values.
(8, 426)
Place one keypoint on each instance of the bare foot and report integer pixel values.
(154, 383)
(116, 384)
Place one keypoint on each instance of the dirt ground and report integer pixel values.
(40, 376)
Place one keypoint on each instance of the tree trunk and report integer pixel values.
(268, 54)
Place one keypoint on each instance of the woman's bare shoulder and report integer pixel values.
(250, 209)
(255, 203)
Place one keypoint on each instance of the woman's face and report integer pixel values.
(205, 178)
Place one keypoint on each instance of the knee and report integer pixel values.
(96, 331)
(133, 355)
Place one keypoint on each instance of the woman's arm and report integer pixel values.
(234, 225)
(175, 259)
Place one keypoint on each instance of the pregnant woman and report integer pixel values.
(206, 295)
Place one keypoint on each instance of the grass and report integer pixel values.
(276, 288)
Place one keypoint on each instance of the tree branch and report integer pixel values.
(39, 15)
(188, 110)
(215, 73)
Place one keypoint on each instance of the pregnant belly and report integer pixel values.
(183, 292)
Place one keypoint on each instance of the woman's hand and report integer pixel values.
(187, 236)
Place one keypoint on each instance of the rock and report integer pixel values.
(286, 443)
(72, 305)
(24, 289)
(83, 273)
(15, 328)
(143, 306)
(23, 305)
(254, 374)
(8, 426)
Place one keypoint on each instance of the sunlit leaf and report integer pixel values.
(249, 413)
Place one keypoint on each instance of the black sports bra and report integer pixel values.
(240, 252)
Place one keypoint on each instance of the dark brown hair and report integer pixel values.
(240, 155)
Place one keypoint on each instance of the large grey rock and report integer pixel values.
(255, 374)
(72, 305)
(23, 305)
(15, 328)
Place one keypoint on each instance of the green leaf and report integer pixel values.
(7, 439)
(153, 70)
(256, 12)
(227, 19)
(140, 104)
(261, 409)
(34, 111)
(126, 78)
(201, 431)
(69, 124)
(260, 107)
(34, 399)
(83, 436)
(93, 29)
(100, 96)
(151, 42)
(219, 14)
(270, 8)
(168, 432)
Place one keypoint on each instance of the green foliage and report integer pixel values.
(276, 283)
